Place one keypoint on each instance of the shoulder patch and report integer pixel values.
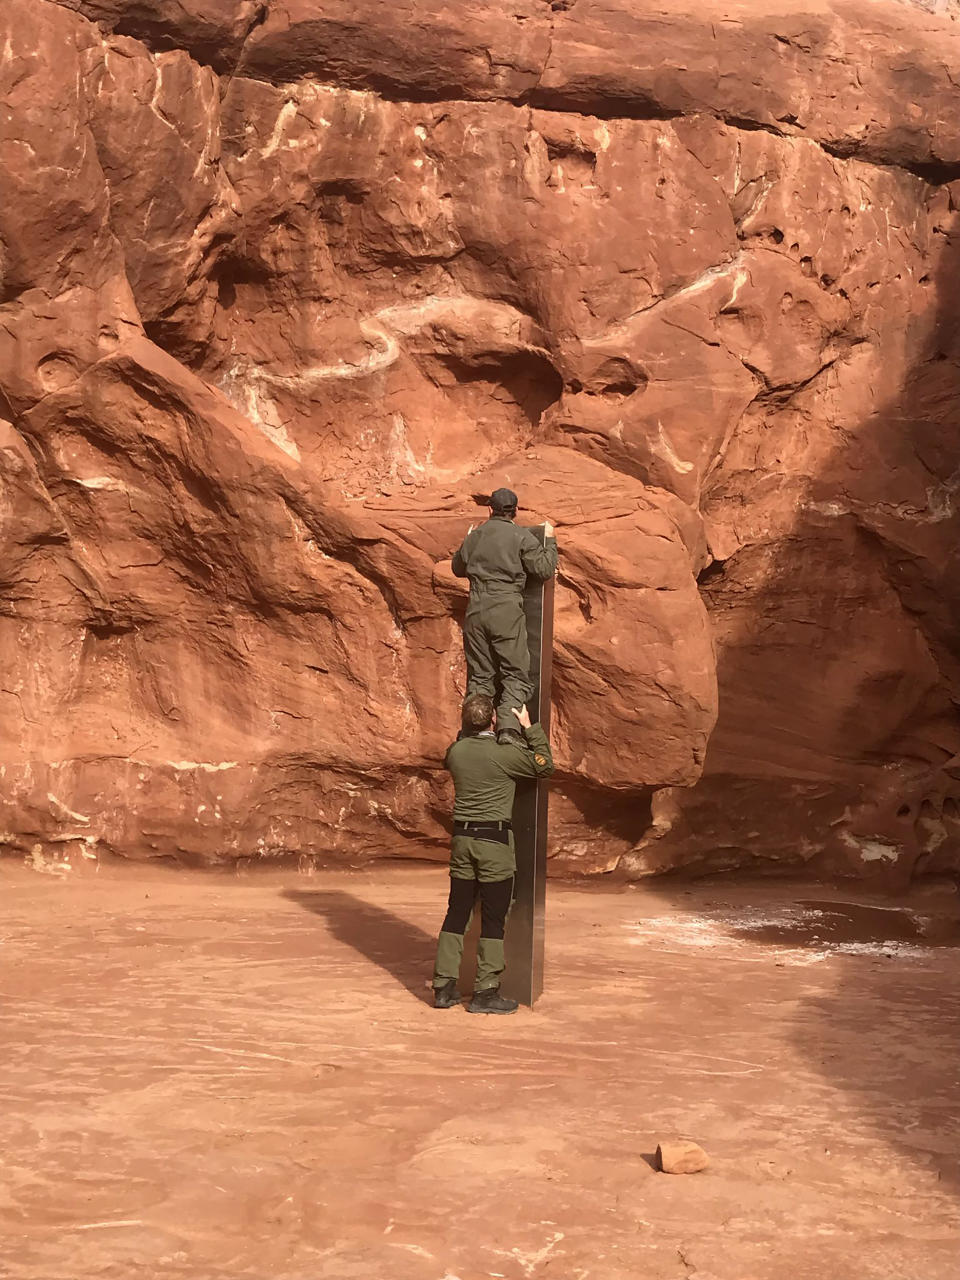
(539, 759)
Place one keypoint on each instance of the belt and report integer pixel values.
(498, 831)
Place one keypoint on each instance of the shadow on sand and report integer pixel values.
(400, 948)
(879, 1021)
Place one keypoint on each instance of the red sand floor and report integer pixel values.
(211, 1077)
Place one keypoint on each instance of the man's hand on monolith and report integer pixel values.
(523, 715)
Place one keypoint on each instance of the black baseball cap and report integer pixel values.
(503, 500)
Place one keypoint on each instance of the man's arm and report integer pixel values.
(536, 759)
(539, 561)
(459, 562)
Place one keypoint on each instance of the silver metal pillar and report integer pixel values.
(523, 978)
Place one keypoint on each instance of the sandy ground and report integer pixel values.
(217, 1077)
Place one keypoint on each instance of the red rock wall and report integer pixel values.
(283, 283)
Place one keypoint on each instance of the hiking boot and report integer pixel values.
(512, 736)
(491, 1001)
(447, 996)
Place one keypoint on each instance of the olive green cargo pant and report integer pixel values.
(495, 646)
(481, 869)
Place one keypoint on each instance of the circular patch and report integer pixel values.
(540, 759)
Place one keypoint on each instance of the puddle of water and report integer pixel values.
(841, 923)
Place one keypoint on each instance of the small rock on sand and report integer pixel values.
(681, 1156)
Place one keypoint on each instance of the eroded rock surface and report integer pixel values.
(284, 284)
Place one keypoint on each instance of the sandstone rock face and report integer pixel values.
(284, 283)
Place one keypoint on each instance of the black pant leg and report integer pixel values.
(495, 899)
(463, 897)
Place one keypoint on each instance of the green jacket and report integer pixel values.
(485, 773)
(501, 554)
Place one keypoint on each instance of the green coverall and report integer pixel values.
(485, 775)
(497, 557)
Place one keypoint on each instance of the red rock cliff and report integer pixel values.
(284, 282)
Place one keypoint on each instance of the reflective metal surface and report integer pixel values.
(523, 978)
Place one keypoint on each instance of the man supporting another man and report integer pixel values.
(482, 858)
(498, 557)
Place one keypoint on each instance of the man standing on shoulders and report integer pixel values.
(482, 859)
(497, 557)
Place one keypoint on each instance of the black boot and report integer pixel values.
(512, 736)
(447, 996)
(491, 1001)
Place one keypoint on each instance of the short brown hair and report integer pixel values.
(477, 713)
